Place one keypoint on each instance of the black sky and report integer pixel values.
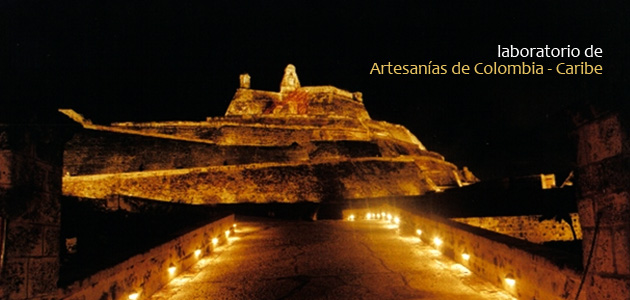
(172, 60)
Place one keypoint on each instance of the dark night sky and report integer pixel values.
(170, 60)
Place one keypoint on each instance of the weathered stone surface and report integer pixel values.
(304, 143)
(621, 249)
(43, 274)
(604, 202)
(30, 187)
(6, 158)
(324, 181)
(24, 240)
(586, 210)
(14, 277)
(609, 288)
(600, 140)
(51, 241)
(603, 259)
(98, 152)
(608, 175)
(529, 228)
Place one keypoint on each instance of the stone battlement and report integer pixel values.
(295, 100)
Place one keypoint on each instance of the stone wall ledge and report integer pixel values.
(146, 273)
(252, 166)
(492, 256)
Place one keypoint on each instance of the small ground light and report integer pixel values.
(437, 241)
(397, 220)
(227, 233)
(197, 252)
(509, 279)
(465, 256)
(234, 225)
(134, 296)
(368, 216)
(389, 217)
(172, 269)
(351, 218)
(215, 241)
(419, 232)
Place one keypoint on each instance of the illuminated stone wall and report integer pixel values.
(146, 273)
(104, 150)
(529, 228)
(604, 201)
(539, 272)
(30, 187)
(312, 100)
(324, 181)
(99, 152)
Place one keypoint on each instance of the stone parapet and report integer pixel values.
(146, 273)
(493, 256)
(530, 228)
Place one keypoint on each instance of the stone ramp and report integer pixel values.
(271, 259)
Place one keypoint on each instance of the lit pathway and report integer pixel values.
(270, 259)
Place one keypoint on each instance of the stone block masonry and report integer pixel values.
(603, 179)
(30, 188)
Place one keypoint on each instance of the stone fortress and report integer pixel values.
(303, 143)
(312, 145)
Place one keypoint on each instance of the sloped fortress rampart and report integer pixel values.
(303, 143)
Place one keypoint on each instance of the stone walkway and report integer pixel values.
(272, 259)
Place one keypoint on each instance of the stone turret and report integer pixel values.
(290, 81)
(245, 80)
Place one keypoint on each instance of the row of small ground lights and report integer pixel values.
(172, 269)
(437, 241)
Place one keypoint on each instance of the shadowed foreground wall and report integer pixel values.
(604, 201)
(30, 188)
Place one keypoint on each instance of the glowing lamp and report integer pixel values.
(215, 241)
(368, 216)
(509, 279)
(437, 241)
(397, 220)
(172, 269)
(134, 296)
(351, 218)
(419, 232)
(227, 233)
(197, 252)
(234, 225)
(465, 256)
(389, 217)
